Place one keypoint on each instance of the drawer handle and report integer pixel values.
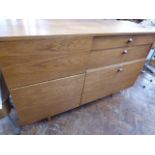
(125, 52)
(120, 70)
(130, 40)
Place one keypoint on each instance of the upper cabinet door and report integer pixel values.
(26, 62)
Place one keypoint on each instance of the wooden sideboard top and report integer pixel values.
(19, 29)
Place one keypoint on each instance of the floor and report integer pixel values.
(131, 111)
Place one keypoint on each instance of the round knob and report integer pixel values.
(125, 52)
(120, 70)
(130, 40)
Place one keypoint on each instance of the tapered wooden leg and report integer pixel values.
(15, 125)
(49, 121)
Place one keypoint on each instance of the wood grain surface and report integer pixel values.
(29, 62)
(107, 57)
(105, 81)
(43, 100)
(52, 66)
(102, 42)
(25, 29)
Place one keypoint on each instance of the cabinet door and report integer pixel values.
(42, 100)
(108, 80)
(27, 62)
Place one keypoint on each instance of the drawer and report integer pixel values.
(108, 80)
(28, 62)
(43, 100)
(105, 42)
(118, 55)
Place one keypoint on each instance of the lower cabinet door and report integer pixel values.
(42, 100)
(104, 81)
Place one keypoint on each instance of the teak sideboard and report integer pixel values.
(52, 66)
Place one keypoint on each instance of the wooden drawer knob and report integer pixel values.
(130, 40)
(125, 52)
(120, 70)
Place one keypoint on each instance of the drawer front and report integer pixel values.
(32, 61)
(118, 55)
(106, 42)
(108, 80)
(40, 101)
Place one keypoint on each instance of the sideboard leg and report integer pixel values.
(49, 121)
(15, 125)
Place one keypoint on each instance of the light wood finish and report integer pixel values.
(46, 99)
(51, 66)
(41, 47)
(101, 42)
(25, 29)
(31, 70)
(31, 61)
(117, 55)
(108, 80)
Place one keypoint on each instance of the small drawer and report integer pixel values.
(46, 99)
(105, 42)
(104, 81)
(103, 58)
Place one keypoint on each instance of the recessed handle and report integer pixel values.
(130, 40)
(125, 52)
(120, 70)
